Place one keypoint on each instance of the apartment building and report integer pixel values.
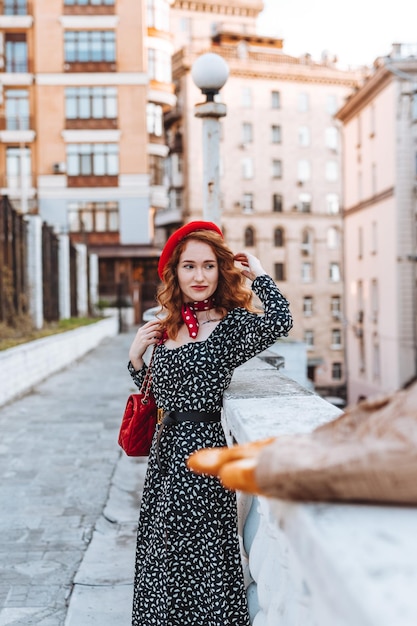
(85, 84)
(280, 162)
(380, 211)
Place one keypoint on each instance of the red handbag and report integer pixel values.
(139, 419)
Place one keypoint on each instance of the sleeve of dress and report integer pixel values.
(253, 333)
(137, 375)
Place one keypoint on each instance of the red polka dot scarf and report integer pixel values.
(189, 315)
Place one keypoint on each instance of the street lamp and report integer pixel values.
(210, 72)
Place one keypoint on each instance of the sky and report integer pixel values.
(356, 32)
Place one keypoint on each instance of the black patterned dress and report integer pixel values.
(188, 563)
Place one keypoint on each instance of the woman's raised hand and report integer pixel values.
(252, 263)
(148, 334)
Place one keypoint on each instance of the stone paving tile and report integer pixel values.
(58, 454)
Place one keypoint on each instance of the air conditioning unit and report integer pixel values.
(60, 167)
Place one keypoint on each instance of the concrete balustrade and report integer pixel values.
(317, 564)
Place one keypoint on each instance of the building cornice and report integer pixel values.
(384, 195)
(223, 7)
(365, 94)
(268, 66)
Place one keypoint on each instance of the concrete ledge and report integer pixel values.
(23, 367)
(316, 564)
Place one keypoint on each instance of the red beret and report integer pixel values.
(179, 234)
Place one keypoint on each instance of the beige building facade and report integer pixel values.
(85, 86)
(380, 211)
(280, 163)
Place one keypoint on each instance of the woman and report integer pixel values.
(188, 565)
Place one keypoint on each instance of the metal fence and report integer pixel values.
(50, 276)
(14, 287)
(13, 263)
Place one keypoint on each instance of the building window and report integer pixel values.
(414, 108)
(247, 168)
(374, 300)
(92, 159)
(331, 138)
(86, 46)
(309, 339)
(88, 2)
(154, 119)
(279, 237)
(275, 100)
(17, 109)
(332, 171)
(303, 103)
(336, 338)
(303, 171)
(332, 203)
(334, 272)
(247, 132)
(249, 237)
(15, 7)
(175, 199)
(376, 361)
(279, 271)
(304, 136)
(372, 120)
(246, 95)
(304, 203)
(157, 14)
(336, 371)
(331, 104)
(18, 167)
(360, 242)
(276, 134)
(308, 306)
(90, 103)
(247, 203)
(373, 179)
(16, 53)
(306, 272)
(336, 307)
(307, 242)
(99, 217)
(276, 168)
(360, 302)
(374, 238)
(156, 169)
(333, 238)
(159, 65)
(277, 203)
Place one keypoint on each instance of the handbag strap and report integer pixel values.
(147, 381)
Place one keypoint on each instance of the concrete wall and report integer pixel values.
(23, 367)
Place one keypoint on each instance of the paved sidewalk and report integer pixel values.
(69, 499)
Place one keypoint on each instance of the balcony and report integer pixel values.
(89, 8)
(16, 129)
(102, 123)
(20, 189)
(90, 66)
(93, 181)
(15, 14)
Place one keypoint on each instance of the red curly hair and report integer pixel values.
(231, 291)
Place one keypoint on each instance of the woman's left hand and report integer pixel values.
(252, 263)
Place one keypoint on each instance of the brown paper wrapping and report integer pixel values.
(368, 454)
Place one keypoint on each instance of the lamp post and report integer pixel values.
(210, 72)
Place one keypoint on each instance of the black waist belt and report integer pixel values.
(171, 418)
